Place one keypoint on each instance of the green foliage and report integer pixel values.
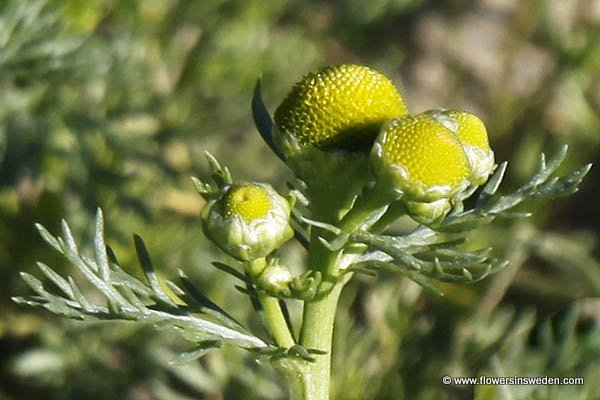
(130, 299)
(423, 253)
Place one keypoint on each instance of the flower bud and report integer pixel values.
(275, 279)
(248, 221)
(428, 213)
(422, 159)
(339, 107)
(472, 133)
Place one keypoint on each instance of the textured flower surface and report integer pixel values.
(248, 221)
(249, 202)
(424, 160)
(473, 135)
(339, 107)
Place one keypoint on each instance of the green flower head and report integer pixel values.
(248, 221)
(340, 106)
(427, 159)
(326, 125)
(422, 159)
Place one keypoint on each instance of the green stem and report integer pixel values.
(311, 380)
(275, 321)
(317, 333)
(272, 314)
(368, 209)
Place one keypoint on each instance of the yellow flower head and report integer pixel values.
(340, 106)
(248, 221)
(248, 201)
(423, 159)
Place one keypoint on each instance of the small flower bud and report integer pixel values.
(338, 107)
(428, 213)
(473, 135)
(422, 159)
(248, 221)
(275, 279)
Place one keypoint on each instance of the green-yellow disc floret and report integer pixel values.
(248, 221)
(340, 106)
(249, 202)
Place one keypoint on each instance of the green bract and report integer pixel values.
(248, 221)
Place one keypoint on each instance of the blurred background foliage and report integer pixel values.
(112, 103)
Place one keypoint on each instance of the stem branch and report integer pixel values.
(275, 321)
(311, 380)
(272, 314)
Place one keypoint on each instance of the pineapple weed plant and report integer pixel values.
(361, 161)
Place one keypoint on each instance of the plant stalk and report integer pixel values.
(272, 314)
(275, 321)
(317, 333)
(311, 380)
